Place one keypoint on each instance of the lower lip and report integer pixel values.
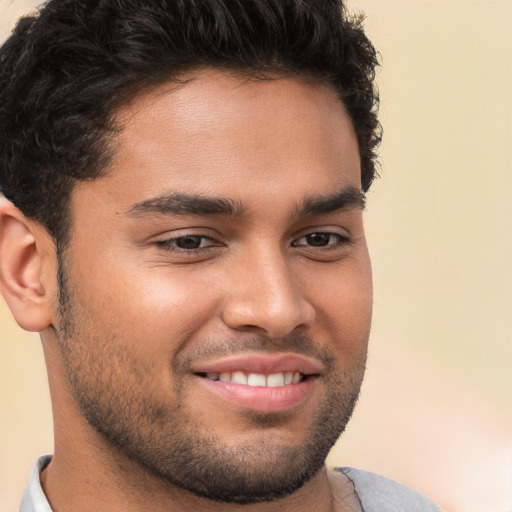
(261, 398)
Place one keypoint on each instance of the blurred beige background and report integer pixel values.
(436, 408)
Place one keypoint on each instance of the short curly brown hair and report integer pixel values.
(65, 72)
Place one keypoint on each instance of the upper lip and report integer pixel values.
(261, 363)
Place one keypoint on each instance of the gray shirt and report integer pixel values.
(376, 493)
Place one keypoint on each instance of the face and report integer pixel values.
(217, 286)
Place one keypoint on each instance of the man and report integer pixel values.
(184, 228)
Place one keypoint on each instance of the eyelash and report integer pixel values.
(341, 240)
(170, 244)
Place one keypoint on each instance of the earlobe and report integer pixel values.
(20, 270)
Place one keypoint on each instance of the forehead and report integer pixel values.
(222, 133)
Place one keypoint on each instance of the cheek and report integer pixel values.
(177, 300)
(343, 302)
(151, 311)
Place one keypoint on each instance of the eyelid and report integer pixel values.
(169, 242)
(342, 239)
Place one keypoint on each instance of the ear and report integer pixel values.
(20, 269)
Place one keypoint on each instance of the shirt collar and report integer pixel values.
(34, 499)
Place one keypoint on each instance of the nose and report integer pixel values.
(264, 297)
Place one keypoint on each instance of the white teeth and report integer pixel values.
(239, 378)
(257, 379)
(275, 379)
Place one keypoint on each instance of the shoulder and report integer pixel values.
(380, 494)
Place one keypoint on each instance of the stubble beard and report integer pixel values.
(165, 440)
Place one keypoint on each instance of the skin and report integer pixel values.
(143, 313)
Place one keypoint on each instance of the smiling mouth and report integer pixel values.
(261, 382)
(272, 380)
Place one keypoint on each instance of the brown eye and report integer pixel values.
(327, 240)
(318, 239)
(188, 242)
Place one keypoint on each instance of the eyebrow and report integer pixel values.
(184, 204)
(346, 199)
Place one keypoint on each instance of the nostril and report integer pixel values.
(271, 305)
